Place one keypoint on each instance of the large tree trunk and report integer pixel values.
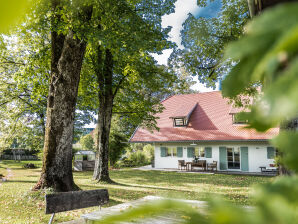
(105, 97)
(66, 63)
(66, 67)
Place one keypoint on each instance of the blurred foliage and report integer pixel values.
(267, 55)
(11, 12)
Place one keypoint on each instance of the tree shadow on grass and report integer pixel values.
(166, 178)
(20, 181)
(137, 188)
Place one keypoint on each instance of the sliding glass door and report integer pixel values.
(233, 155)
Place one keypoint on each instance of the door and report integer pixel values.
(233, 155)
(244, 158)
(222, 158)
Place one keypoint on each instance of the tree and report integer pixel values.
(67, 52)
(204, 40)
(119, 58)
(24, 79)
(87, 142)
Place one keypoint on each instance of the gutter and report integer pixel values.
(204, 141)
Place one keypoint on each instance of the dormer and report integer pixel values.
(181, 116)
(235, 112)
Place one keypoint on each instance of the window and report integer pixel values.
(199, 152)
(180, 122)
(270, 153)
(174, 151)
(168, 152)
(79, 157)
(233, 155)
(238, 119)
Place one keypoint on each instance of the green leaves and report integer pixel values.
(173, 208)
(268, 54)
(204, 40)
(287, 142)
(11, 12)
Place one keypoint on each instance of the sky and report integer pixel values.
(176, 19)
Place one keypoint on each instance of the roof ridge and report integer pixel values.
(167, 98)
(187, 94)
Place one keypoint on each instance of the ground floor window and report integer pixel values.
(199, 152)
(233, 155)
(168, 151)
(172, 151)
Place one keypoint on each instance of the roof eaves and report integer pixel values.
(183, 141)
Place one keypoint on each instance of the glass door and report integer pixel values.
(233, 155)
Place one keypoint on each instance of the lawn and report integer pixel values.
(20, 205)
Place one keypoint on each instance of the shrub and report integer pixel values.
(133, 159)
(149, 151)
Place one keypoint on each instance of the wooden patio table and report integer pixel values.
(199, 163)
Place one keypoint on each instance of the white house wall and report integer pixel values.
(257, 155)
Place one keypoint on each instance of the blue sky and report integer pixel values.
(183, 8)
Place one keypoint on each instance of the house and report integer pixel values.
(205, 125)
(84, 160)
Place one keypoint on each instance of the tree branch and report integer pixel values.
(12, 62)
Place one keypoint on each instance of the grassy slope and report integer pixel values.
(19, 205)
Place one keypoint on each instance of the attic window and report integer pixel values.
(238, 119)
(180, 122)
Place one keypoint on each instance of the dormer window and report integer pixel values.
(238, 119)
(180, 122)
(182, 115)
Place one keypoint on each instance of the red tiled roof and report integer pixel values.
(210, 121)
(184, 110)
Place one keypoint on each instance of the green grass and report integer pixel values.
(20, 205)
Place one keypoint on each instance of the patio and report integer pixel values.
(200, 171)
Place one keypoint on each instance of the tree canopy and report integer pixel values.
(204, 40)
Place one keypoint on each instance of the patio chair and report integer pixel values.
(181, 164)
(212, 166)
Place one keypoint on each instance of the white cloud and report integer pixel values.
(182, 8)
(175, 20)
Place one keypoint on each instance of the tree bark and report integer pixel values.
(106, 98)
(66, 63)
(66, 67)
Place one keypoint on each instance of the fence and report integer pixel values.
(18, 157)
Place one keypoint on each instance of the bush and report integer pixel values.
(133, 159)
(149, 151)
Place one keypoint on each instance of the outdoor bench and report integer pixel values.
(66, 201)
(268, 169)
